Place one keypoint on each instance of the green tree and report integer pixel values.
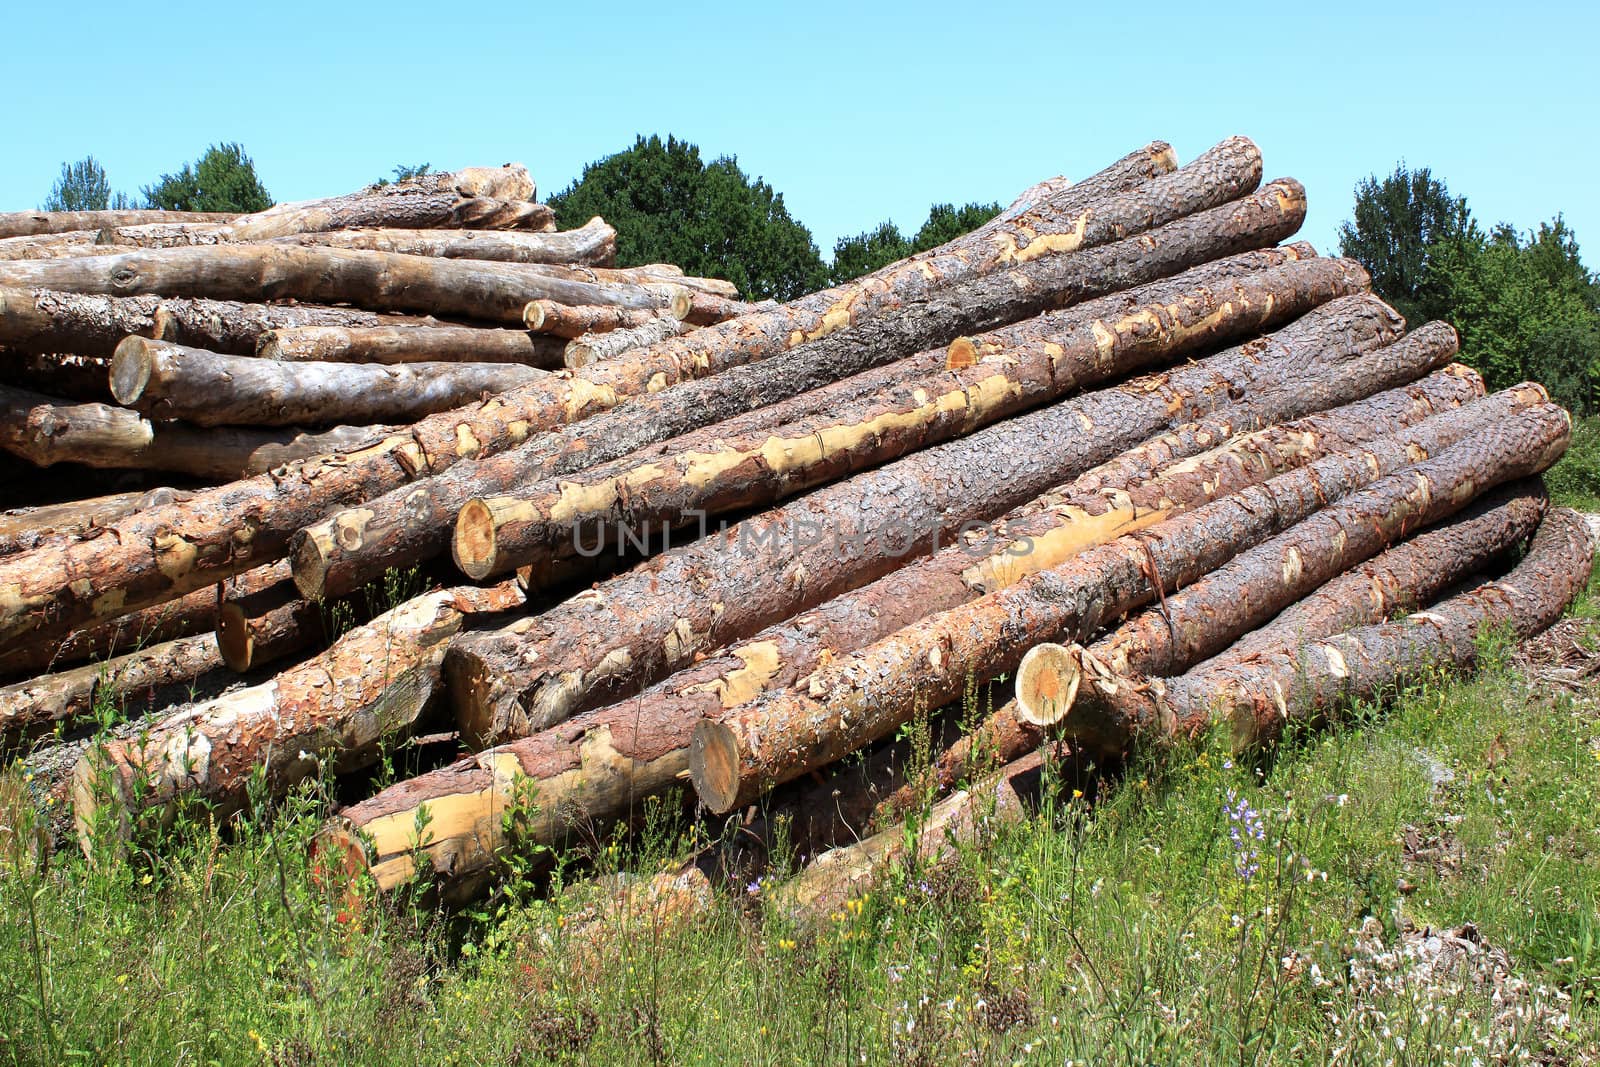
(83, 187)
(1400, 224)
(709, 218)
(405, 172)
(224, 179)
(947, 222)
(875, 249)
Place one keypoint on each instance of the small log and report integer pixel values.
(53, 245)
(369, 688)
(378, 281)
(561, 320)
(593, 347)
(28, 528)
(592, 244)
(706, 309)
(645, 623)
(45, 431)
(1308, 681)
(1015, 368)
(209, 389)
(408, 344)
(29, 223)
(851, 701)
(270, 624)
(224, 453)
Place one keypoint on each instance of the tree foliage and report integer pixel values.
(1524, 303)
(710, 219)
(83, 186)
(875, 249)
(405, 172)
(224, 179)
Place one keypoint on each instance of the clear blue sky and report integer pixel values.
(856, 112)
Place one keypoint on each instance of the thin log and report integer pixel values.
(53, 245)
(707, 309)
(44, 430)
(653, 619)
(1306, 682)
(1000, 738)
(593, 347)
(378, 281)
(561, 320)
(592, 244)
(268, 625)
(28, 223)
(209, 389)
(28, 528)
(369, 688)
(408, 344)
(1015, 368)
(844, 705)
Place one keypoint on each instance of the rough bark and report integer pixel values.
(369, 688)
(30, 708)
(170, 381)
(1046, 531)
(28, 223)
(561, 320)
(408, 344)
(44, 430)
(413, 523)
(653, 619)
(593, 347)
(1305, 682)
(592, 244)
(1015, 368)
(52, 245)
(851, 701)
(28, 528)
(91, 325)
(377, 281)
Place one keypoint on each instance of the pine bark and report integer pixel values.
(44, 430)
(593, 347)
(653, 619)
(561, 320)
(409, 344)
(413, 523)
(29, 223)
(369, 688)
(1014, 368)
(28, 528)
(170, 381)
(851, 701)
(592, 244)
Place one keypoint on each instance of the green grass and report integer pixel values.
(1117, 931)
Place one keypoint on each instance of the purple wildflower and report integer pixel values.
(1246, 831)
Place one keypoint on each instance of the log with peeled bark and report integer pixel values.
(592, 244)
(170, 381)
(593, 347)
(43, 321)
(409, 344)
(1304, 682)
(28, 223)
(53, 245)
(45, 430)
(28, 528)
(1014, 368)
(377, 281)
(370, 688)
(569, 321)
(412, 523)
(33, 707)
(1096, 507)
(855, 699)
(653, 619)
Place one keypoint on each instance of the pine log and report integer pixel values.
(412, 523)
(368, 689)
(53, 245)
(562, 320)
(706, 309)
(260, 627)
(999, 738)
(592, 244)
(28, 528)
(1101, 504)
(853, 700)
(28, 223)
(90, 325)
(1305, 682)
(1015, 368)
(45, 431)
(408, 344)
(28, 709)
(653, 619)
(591, 348)
(209, 389)
(378, 281)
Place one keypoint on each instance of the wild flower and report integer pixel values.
(1246, 830)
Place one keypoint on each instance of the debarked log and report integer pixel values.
(409, 344)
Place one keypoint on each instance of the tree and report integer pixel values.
(867, 252)
(224, 179)
(83, 187)
(405, 172)
(947, 222)
(710, 219)
(1400, 223)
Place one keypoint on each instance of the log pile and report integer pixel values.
(1123, 442)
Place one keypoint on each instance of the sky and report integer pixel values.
(856, 112)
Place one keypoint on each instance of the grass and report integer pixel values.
(1192, 909)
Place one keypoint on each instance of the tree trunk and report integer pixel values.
(409, 344)
(561, 320)
(592, 244)
(28, 223)
(854, 700)
(1016, 368)
(53, 245)
(269, 625)
(707, 309)
(378, 281)
(593, 347)
(1304, 682)
(369, 688)
(28, 709)
(28, 528)
(1044, 532)
(413, 523)
(44, 431)
(169, 381)
(649, 621)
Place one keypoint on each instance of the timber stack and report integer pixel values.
(344, 474)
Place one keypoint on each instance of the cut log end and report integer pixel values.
(680, 302)
(533, 315)
(714, 765)
(474, 542)
(1047, 684)
(130, 370)
(310, 563)
(234, 640)
(961, 353)
(339, 860)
